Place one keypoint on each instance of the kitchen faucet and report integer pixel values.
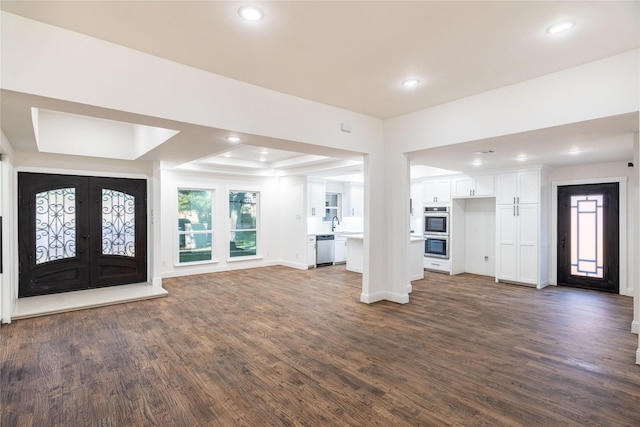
(333, 225)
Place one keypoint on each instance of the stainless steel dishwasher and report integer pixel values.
(325, 248)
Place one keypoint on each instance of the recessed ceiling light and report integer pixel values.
(411, 83)
(251, 13)
(264, 152)
(227, 154)
(560, 27)
(574, 152)
(521, 158)
(262, 159)
(233, 138)
(477, 162)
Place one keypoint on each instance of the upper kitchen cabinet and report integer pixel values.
(473, 186)
(316, 198)
(518, 187)
(354, 200)
(436, 191)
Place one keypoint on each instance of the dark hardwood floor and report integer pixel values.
(281, 347)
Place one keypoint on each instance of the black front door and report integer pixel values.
(588, 236)
(80, 232)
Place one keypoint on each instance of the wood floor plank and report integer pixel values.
(282, 347)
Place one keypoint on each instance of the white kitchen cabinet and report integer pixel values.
(518, 240)
(436, 191)
(340, 253)
(473, 186)
(316, 198)
(355, 253)
(416, 258)
(311, 250)
(437, 264)
(518, 187)
(354, 203)
(522, 223)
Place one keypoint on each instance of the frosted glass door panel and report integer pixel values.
(587, 236)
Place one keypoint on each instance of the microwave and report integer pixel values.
(436, 220)
(436, 246)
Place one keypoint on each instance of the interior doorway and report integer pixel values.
(80, 232)
(588, 236)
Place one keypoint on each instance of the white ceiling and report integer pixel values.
(355, 54)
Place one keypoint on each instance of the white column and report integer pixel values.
(155, 242)
(375, 222)
(398, 189)
(386, 228)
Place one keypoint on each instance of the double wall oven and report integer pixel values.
(436, 232)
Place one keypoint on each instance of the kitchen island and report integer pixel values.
(355, 255)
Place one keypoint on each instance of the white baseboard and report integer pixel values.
(399, 298)
(296, 265)
(388, 296)
(417, 277)
(635, 327)
(638, 356)
(371, 298)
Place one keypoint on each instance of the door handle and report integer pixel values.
(86, 236)
(563, 241)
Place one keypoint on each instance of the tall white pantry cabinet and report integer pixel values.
(522, 227)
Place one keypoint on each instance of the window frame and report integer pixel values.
(258, 254)
(210, 231)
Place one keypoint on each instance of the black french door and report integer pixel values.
(80, 232)
(588, 236)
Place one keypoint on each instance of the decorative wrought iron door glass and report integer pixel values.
(118, 223)
(587, 236)
(55, 225)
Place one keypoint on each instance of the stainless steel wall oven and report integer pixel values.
(436, 232)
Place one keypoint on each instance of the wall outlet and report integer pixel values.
(486, 258)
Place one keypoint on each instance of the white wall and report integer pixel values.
(77, 68)
(8, 279)
(282, 226)
(480, 236)
(292, 230)
(603, 88)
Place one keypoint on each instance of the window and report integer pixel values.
(332, 206)
(195, 231)
(243, 223)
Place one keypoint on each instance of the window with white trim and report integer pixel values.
(195, 228)
(243, 223)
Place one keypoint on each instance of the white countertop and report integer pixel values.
(355, 236)
(361, 236)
